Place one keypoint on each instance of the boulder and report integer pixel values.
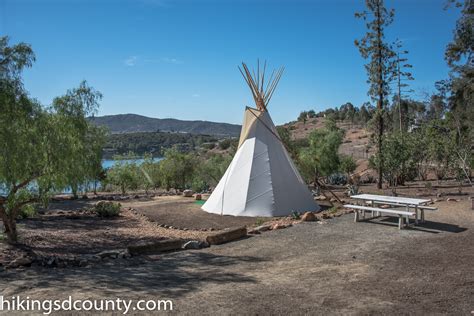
(192, 244)
(198, 197)
(451, 200)
(154, 247)
(109, 254)
(253, 231)
(226, 235)
(308, 217)
(262, 228)
(188, 193)
(20, 262)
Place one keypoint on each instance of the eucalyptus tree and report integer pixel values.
(374, 47)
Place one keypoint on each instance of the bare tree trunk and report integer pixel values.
(10, 226)
(380, 101)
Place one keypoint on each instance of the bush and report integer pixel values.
(337, 179)
(107, 209)
(27, 211)
(225, 144)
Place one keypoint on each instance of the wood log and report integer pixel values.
(226, 235)
(155, 247)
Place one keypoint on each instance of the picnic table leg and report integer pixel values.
(408, 220)
(416, 215)
(400, 221)
(422, 215)
(356, 216)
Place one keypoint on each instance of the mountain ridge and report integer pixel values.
(132, 123)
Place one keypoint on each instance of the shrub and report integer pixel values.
(107, 209)
(27, 211)
(337, 179)
(225, 144)
(295, 215)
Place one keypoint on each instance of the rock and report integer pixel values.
(253, 231)
(262, 228)
(109, 254)
(83, 263)
(154, 247)
(188, 193)
(226, 236)
(308, 217)
(51, 261)
(451, 200)
(278, 226)
(136, 196)
(198, 197)
(439, 195)
(192, 244)
(20, 262)
(325, 216)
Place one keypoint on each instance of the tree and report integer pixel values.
(380, 66)
(459, 88)
(150, 177)
(177, 169)
(37, 149)
(402, 74)
(321, 157)
(398, 163)
(125, 174)
(85, 153)
(211, 169)
(348, 165)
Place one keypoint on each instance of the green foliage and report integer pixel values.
(155, 143)
(43, 149)
(211, 169)
(125, 175)
(321, 157)
(227, 143)
(304, 115)
(348, 165)
(398, 164)
(259, 221)
(337, 179)
(295, 215)
(107, 209)
(177, 169)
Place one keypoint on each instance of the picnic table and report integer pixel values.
(412, 206)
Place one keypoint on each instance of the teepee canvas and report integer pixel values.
(261, 180)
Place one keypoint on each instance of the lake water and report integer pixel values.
(107, 163)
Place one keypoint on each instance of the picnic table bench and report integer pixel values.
(417, 206)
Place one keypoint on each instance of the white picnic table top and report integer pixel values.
(390, 199)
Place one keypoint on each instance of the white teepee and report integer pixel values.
(261, 180)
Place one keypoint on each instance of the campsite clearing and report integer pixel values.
(336, 267)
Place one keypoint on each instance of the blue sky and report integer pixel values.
(164, 58)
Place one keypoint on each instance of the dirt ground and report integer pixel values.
(182, 212)
(327, 267)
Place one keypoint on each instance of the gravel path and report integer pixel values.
(338, 267)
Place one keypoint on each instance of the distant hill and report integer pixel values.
(132, 123)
